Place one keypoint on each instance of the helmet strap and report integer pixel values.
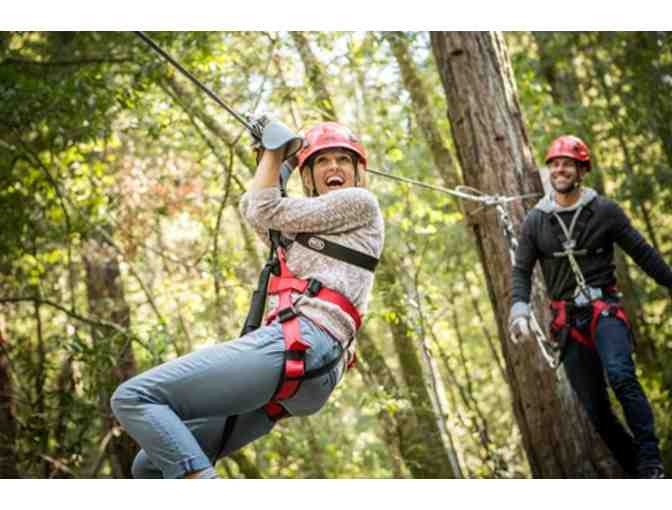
(309, 163)
(355, 165)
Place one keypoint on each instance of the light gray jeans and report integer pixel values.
(177, 411)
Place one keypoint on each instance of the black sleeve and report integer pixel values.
(632, 242)
(526, 257)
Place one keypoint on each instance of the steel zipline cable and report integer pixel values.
(463, 192)
(196, 81)
(548, 351)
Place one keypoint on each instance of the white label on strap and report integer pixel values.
(316, 244)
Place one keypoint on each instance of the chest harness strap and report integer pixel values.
(285, 285)
(570, 251)
(564, 311)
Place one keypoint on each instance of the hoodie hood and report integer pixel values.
(549, 205)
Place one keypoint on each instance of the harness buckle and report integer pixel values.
(314, 287)
(587, 296)
(569, 244)
(287, 314)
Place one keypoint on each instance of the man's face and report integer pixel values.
(332, 170)
(564, 174)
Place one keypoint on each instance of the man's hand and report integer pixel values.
(520, 329)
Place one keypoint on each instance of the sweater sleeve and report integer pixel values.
(632, 242)
(331, 213)
(521, 274)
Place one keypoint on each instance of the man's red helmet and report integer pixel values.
(570, 147)
(330, 135)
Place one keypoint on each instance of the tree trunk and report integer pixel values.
(316, 77)
(106, 301)
(495, 157)
(430, 456)
(8, 467)
(564, 83)
(476, 306)
(421, 441)
(422, 109)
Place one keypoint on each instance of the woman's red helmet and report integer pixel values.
(330, 135)
(570, 147)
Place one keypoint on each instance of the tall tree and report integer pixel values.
(107, 302)
(495, 157)
(8, 467)
(422, 108)
(430, 454)
(318, 83)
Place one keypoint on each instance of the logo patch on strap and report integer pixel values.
(316, 244)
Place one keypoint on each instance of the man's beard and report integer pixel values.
(570, 184)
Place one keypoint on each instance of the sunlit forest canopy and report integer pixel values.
(121, 243)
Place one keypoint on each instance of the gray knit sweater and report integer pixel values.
(350, 217)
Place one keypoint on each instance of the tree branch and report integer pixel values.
(99, 323)
(65, 63)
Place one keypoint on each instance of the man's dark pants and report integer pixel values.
(586, 369)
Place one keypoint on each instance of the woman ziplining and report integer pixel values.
(188, 413)
(193, 410)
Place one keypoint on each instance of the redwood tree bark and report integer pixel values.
(495, 157)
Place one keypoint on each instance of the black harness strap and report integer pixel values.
(337, 251)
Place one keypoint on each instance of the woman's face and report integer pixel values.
(333, 169)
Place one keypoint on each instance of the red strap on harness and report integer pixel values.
(560, 319)
(284, 286)
(599, 307)
(278, 285)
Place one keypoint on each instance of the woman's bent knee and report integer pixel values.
(121, 397)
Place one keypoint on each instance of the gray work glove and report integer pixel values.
(519, 325)
(520, 329)
(271, 134)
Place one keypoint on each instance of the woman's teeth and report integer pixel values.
(335, 181)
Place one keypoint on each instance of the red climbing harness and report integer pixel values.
(564, 310)
(284, 285)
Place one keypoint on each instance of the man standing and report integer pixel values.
(572, 232)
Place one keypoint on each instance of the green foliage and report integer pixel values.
(96, 145)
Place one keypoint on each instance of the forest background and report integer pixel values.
(121, 245)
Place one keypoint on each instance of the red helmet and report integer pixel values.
(330, 135)
(570, 147)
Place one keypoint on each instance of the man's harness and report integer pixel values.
(578, 318)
